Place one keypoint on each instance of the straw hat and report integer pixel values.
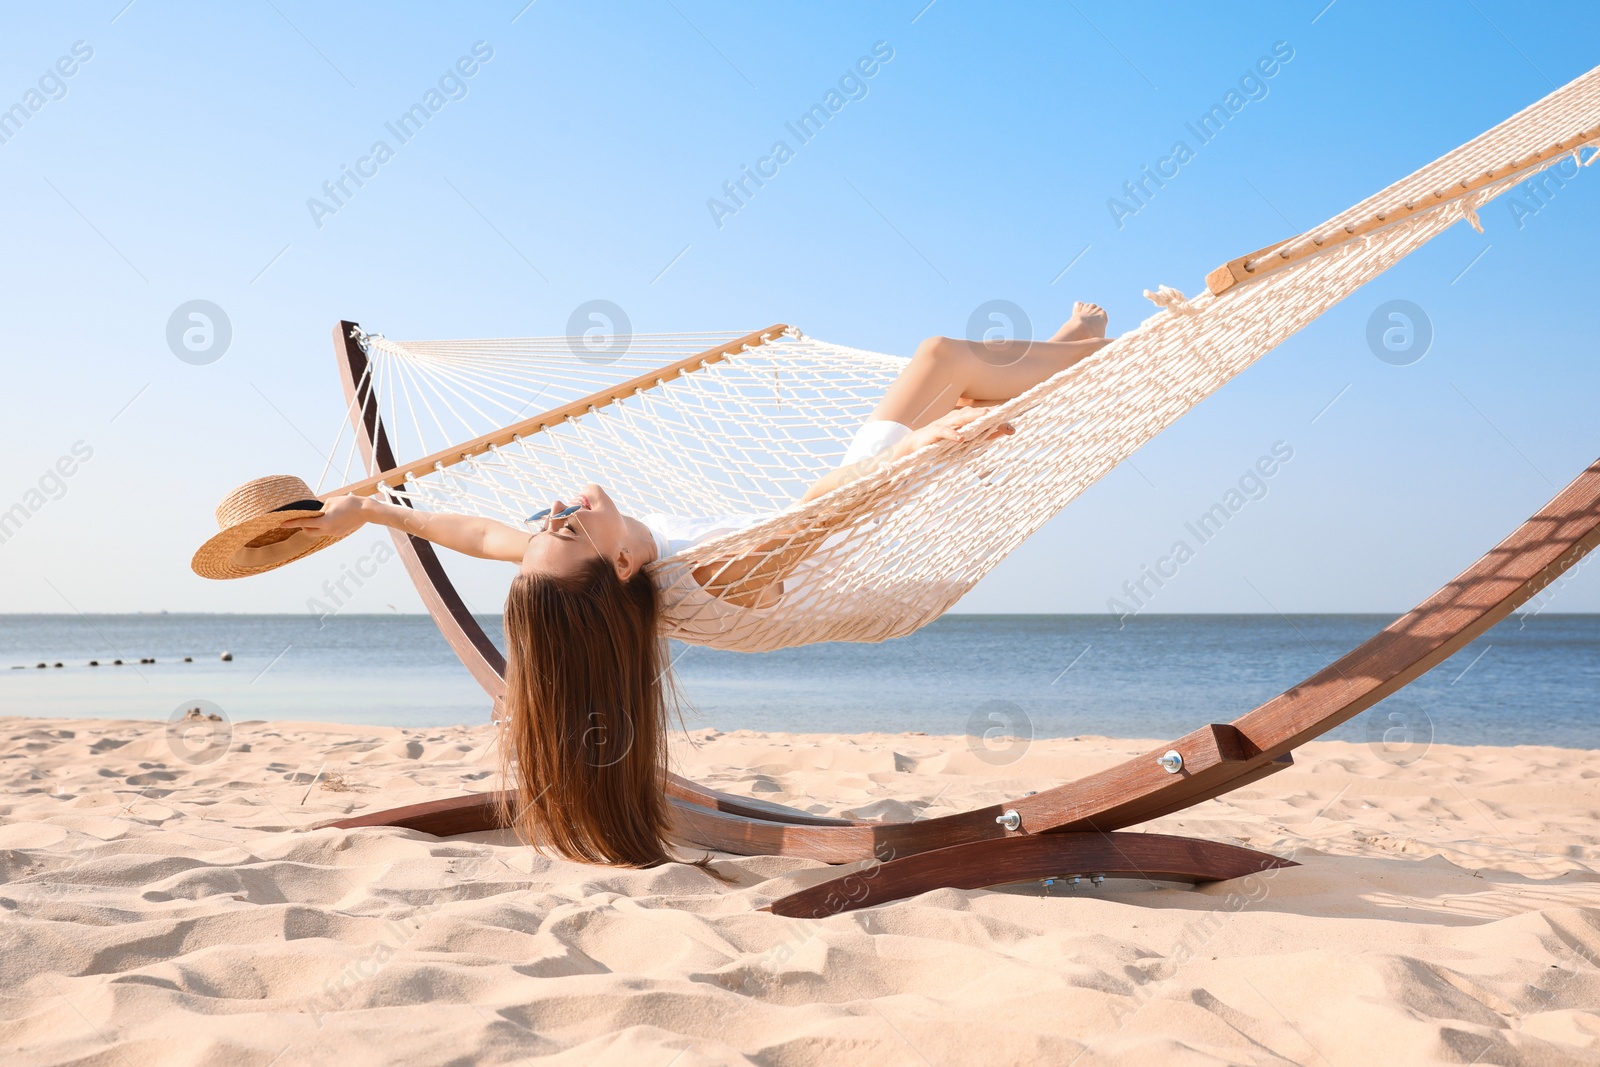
(251, 541)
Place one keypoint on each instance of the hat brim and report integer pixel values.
(230, 555)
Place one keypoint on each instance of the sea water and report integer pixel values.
(1531, 680)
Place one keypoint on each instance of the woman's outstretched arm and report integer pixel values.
(467, 534)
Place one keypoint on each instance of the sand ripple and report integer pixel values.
(155, 911)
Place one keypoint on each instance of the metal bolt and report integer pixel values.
(1098, 880)
(1171, 761)
(1074, 881)
(1010, 819)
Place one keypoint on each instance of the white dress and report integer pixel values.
(691, 613)
(686, 608)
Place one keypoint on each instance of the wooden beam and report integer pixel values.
(1026, 859)
(394, 474)
(476, 812)
(1264, 261)
(1536, 554)
(454, 619)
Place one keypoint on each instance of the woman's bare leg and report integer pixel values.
(945, 370)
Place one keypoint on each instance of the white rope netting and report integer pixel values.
(894, 550)
(745, 436)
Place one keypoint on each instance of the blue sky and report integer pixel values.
(577, 161)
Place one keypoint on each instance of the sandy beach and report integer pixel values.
(162, 911)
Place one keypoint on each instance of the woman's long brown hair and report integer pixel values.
(586, 715)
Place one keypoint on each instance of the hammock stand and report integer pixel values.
(1073, 829)
(1078, 828)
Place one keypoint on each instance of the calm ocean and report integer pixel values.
(1530, 680)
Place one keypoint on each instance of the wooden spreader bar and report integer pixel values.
(1264, 261)
(395, 475)
(1068, 829)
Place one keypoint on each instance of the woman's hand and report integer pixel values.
(947, 427)
(341, 515)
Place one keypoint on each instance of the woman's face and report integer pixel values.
(597, 529)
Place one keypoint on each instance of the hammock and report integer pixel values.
(745, 423)
(718, 423)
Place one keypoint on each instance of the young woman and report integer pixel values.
(587, 680)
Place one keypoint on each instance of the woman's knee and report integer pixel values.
(943, 351)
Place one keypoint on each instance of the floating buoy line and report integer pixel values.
(225, 657)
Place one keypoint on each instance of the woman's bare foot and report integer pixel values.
(1088, 321)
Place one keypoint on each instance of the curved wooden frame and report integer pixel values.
(997, 841)
(477, 652)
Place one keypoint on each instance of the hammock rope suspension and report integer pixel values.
(726, 423)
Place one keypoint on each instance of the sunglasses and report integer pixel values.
(545, 518)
